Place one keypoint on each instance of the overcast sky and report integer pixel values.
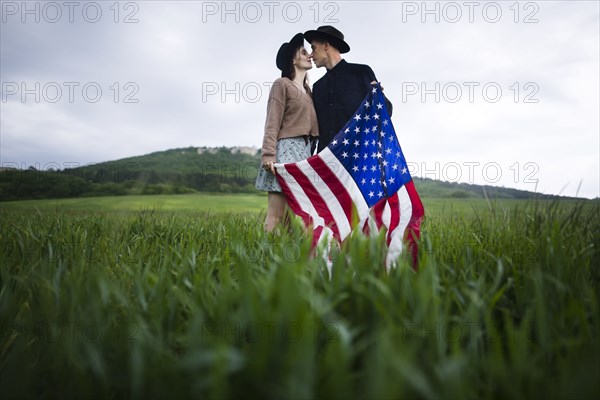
(500, 93)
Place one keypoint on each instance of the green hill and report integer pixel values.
(187, 170)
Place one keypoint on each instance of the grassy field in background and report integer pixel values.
(219, 203)
(164, 203)
(129, 297)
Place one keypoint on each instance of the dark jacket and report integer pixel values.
(338, 94)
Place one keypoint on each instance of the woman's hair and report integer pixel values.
(290, 71)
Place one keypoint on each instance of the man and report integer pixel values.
(338, 94)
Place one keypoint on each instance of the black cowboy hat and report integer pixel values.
(329, 34)
(286, 51)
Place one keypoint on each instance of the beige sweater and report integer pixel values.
(290, 113)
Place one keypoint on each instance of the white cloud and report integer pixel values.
(202, 79)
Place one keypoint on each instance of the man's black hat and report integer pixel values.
(329, 34)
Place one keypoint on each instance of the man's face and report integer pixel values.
(318, 55)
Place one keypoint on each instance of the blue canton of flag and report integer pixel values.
(368, 149)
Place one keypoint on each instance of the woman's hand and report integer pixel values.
(269, 166)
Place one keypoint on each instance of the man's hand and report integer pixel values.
(375, 83)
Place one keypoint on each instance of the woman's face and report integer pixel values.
(302, 59)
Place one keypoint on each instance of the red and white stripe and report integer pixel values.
(326, 197)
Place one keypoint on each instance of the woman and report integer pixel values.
(290, 126)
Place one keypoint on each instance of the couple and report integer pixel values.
(296, 118)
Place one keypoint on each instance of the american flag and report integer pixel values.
(360, 180)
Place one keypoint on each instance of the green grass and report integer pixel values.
(168, 203)
(158, 303)
(201, 202)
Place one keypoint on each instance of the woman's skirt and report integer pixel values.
(289, 150)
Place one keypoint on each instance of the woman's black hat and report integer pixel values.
(286, 51)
